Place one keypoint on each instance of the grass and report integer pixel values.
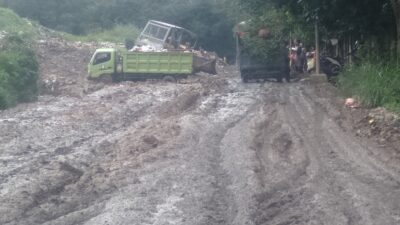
(118, 34)
(12, 23)
(375, 84)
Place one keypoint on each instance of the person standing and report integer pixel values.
(299, 58)
(303, 60)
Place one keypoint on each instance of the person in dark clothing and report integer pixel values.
(299, 58)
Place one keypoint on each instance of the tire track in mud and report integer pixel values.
(290, 163)
(288, 199)
(226, 118)
(213, 152)
(78, 188)
(69, 186)
(190, 187)
(200, 182)
(214, 204)
(324, 187)
(239, 158)
(364, 180)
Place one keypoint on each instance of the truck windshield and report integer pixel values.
(101, 57)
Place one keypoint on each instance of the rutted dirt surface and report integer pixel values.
(211, 150)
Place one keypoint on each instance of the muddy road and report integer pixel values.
(209, 151)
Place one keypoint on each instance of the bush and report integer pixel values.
(18, 64)
(375, 84)
(18, 71)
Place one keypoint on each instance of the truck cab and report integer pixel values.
(103, 63)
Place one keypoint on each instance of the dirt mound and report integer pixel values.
(182, 103)
(381, 125)
(63, 66)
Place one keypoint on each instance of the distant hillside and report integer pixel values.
(12, 23)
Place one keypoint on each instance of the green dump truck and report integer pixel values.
(124, 65)
(162, 51)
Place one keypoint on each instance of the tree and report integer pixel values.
(343, 19)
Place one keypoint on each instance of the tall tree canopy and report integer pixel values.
(373, 21)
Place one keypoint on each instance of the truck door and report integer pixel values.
(102, 64)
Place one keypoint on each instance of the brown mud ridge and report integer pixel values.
(63, 65)
(209, 150)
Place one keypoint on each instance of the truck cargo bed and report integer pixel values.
(158, 63)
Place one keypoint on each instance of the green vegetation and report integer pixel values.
(207, 18)
(18, 71)
(11, 22)
(275, 23)
(375, 84)
(18, 64)
(117, 34)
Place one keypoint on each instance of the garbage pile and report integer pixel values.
(203, 61)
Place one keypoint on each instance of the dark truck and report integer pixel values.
(256, 68)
